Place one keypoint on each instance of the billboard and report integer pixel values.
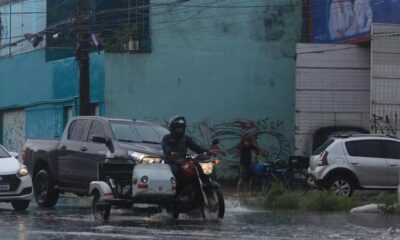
(350, 20)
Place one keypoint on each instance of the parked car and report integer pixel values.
(92, 149)
(15, 182)
(346, 163)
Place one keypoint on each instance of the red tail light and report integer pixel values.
(323, 159)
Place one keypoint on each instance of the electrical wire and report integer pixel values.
(178, 21)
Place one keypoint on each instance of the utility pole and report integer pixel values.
(82, 56)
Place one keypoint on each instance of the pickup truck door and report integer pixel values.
(92, 153)
(69, 153)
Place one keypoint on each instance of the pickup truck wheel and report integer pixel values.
(45, 194)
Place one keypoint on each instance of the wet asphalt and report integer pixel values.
(72, 219)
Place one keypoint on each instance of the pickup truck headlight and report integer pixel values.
(144, 158)
(23, 172)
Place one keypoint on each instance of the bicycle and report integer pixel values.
(291, 177)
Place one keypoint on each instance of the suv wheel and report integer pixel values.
(45, 194)
(341, 186)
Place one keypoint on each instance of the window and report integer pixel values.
(97, 129)
(77, 129)
(64, 45)
(392, 149)
(127, 28)
(366, 148)
(324, 146)
(16, 19)
(130, 132)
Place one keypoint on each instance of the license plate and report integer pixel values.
(4, 186)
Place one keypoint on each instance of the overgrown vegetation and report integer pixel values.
(320, 201)
(390, 203)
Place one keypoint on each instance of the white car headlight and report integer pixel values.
(144, 158)
(23, 172)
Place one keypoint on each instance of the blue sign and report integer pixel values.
(349, 20)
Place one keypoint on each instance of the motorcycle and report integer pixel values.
(197, 190)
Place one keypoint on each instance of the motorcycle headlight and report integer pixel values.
(22, 172)
(207, 168)
(144, 158)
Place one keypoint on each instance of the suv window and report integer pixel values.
(366, 148)
(97, 129)
(392, 149)
(77, 129)
(323, 146)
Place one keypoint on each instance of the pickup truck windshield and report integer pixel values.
(133, 132)
(3, 153)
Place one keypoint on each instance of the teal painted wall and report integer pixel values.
(43, 89)
(218, 65)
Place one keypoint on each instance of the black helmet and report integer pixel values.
(175, 123)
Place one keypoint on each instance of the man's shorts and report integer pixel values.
(245, 172)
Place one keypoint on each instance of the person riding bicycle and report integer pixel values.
(176, 144)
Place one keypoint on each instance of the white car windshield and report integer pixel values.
(138, 132)
(3, 153)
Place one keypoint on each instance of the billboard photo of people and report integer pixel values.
(347, 20)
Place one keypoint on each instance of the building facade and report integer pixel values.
(228, 67)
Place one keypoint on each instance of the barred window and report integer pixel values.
(120, 25)
(123, 26)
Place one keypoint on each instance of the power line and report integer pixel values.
(176, 21)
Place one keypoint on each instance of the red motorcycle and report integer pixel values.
(197, 190)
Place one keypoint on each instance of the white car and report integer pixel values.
(15, 181)
(355, 162)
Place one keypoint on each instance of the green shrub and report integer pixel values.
(325, 201)
(279, 198)
(392, 209)
(386, 198)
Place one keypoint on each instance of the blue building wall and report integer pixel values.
(45, 90)
(219, 66)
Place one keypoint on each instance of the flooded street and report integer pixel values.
(72, 219)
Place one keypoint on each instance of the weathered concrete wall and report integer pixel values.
(42, 90)
(215, 65)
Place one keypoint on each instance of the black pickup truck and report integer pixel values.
(69, 165)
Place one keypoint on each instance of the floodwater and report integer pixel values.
(72, 219)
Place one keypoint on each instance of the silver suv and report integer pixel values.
(345, 163)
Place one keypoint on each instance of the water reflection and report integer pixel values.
(72, 218)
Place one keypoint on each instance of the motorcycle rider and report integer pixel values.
(176, 144)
